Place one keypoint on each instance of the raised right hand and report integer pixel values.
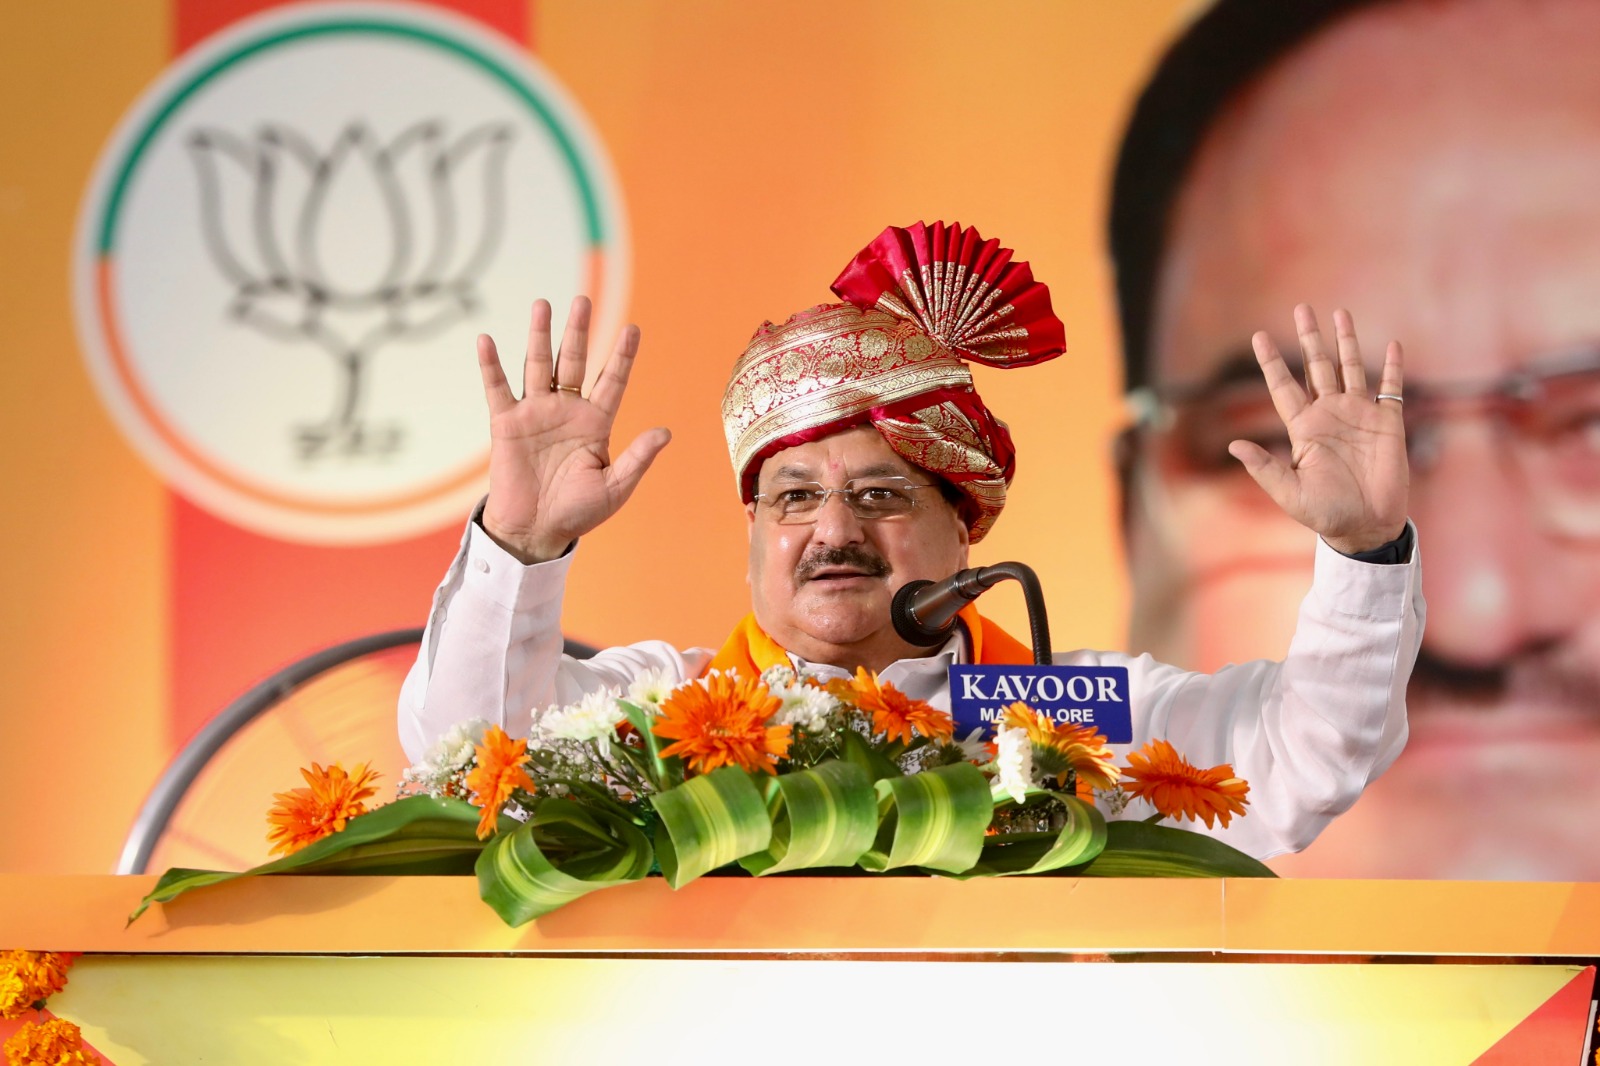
(551, 476)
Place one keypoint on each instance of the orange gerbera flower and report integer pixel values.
(304, 816)
(1179, 789)
(498, 772)
(894, 714)
(56, 1041)
(722, 721)
(1078, 748)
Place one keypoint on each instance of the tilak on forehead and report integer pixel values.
(920, 303)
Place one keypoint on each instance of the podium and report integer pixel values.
(825, 970)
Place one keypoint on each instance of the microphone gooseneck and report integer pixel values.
(924, 612)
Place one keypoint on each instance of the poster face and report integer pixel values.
(1446, 206)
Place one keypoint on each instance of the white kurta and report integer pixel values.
(1308, 733)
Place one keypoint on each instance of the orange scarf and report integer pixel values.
(750, 651)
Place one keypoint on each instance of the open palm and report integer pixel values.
(1347, 477)
(551, 474)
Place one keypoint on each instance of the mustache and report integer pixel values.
(1462, 681)
(1545, 671)
(853, 556)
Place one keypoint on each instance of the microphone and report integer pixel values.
(924, 612)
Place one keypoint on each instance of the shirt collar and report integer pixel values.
(957, 651)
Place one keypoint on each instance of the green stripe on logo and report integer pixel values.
(594, 225)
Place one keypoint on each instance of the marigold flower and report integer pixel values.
(894, 714)
(56, 1042)
(498, 774)
(1061, 747)
(29, 977)
(722, 721)
(1179, 789)
(304, 816)
(16, 997)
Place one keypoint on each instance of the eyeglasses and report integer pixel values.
(867, 497)
(1547, 413)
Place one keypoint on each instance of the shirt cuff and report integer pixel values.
(495, 574)
(1347, 585)
(1396, 551)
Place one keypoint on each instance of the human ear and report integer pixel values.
(750, 539)
(963, 537)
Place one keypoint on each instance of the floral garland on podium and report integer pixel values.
(27, 980)
(761, 775)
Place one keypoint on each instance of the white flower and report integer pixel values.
(442, 767)
(804, 706)
(456, 748)
(650, 688)
(451, 752)
(776, 677)
(594, 718)
(973, 749)
(1014, 763)
(1115, 800)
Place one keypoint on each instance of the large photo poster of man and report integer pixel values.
(1431, 166)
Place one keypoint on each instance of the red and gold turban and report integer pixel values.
(921, 302)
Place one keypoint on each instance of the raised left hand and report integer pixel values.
(1347, 477)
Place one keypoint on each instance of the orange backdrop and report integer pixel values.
(756, 148)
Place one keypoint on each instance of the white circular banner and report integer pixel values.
(291, 241)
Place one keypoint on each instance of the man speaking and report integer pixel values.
(867, 460)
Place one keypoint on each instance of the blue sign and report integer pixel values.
(1082, 695)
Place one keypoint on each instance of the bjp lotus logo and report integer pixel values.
(291, 241)
(410, 278)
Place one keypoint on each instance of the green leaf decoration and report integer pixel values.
(1139, 849)
(564, 851)
(415, 835)
(710, 821)
(660, 772)
(826, 816)
(1079, 841)
(935, 819)
(859, 750)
